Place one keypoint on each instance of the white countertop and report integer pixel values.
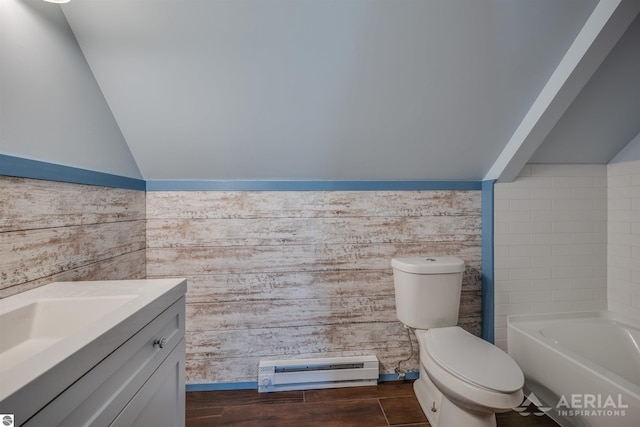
(129, 306)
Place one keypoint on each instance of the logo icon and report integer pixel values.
(525, 407)
(7, 420)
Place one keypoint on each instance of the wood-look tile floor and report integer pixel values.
(387, 404)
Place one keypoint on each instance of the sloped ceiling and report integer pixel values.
(605, 116)
(332, 89)
(51, 107)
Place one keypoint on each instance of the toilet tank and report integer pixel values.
(428, 290)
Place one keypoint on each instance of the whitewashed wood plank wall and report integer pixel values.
(303, 274)
(52, 231)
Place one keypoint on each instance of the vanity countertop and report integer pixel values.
(55, 333)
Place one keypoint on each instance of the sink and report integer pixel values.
(53, 336)
(41, 324)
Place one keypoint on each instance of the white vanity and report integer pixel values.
(108, 353)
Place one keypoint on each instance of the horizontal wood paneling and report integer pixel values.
(301, 231)
(271, 274)
(304, 204)
(293, 285)
(235, 259)
(51, 231)
(311, 339)
(29, 204)
(127, 266)
(288, 285)
(279, 313)
(233, 355)
(303, 274)
(32, 254)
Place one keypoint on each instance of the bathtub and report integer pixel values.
(584, 368)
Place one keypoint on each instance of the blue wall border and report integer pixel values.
(488, 300)
(258, 185)
(35, 169)
(246, 385)
(27, 168)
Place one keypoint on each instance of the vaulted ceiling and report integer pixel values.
(605, 115)
(363, 89)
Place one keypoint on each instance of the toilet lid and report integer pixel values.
(474, 359)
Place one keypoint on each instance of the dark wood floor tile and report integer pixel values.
(210, 399)
(384, 389)
(514, 419)
(342, 407)
(354, 413)
(204, 421)
(403, 410)
(204, 412)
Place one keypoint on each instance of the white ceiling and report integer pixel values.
(51, 108)
(605, 116)
(335, 89)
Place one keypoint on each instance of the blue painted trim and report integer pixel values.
(27, 168)
(394, 377)
(253, 385)
(488, 299)
(239, 185)
(247, 385)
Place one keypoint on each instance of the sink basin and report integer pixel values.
(41, 324)
(52, 336)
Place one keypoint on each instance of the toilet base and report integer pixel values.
(441, 412)
(429, 398)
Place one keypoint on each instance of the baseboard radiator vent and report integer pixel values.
(303, 374)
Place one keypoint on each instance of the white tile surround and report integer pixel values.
(551, 242)
(623, 250)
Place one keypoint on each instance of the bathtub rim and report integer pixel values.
(516, 322)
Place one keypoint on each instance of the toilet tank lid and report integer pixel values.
(429, 264)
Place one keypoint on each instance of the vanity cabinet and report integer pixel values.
(140, 383)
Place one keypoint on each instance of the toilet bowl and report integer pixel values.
(463, 380)
(473, 378)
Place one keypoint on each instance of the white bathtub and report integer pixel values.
(583, 367)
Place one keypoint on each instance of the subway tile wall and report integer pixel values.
(623, 250)
(550, 242)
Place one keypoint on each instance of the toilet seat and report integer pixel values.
(472, 359)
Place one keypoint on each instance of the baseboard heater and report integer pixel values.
(302, 374)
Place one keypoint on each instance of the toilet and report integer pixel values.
(463, 380)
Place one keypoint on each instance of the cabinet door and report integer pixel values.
(161, 401)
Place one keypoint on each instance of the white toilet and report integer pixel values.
(464, 380)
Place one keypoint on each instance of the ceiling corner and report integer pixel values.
(604, 28)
